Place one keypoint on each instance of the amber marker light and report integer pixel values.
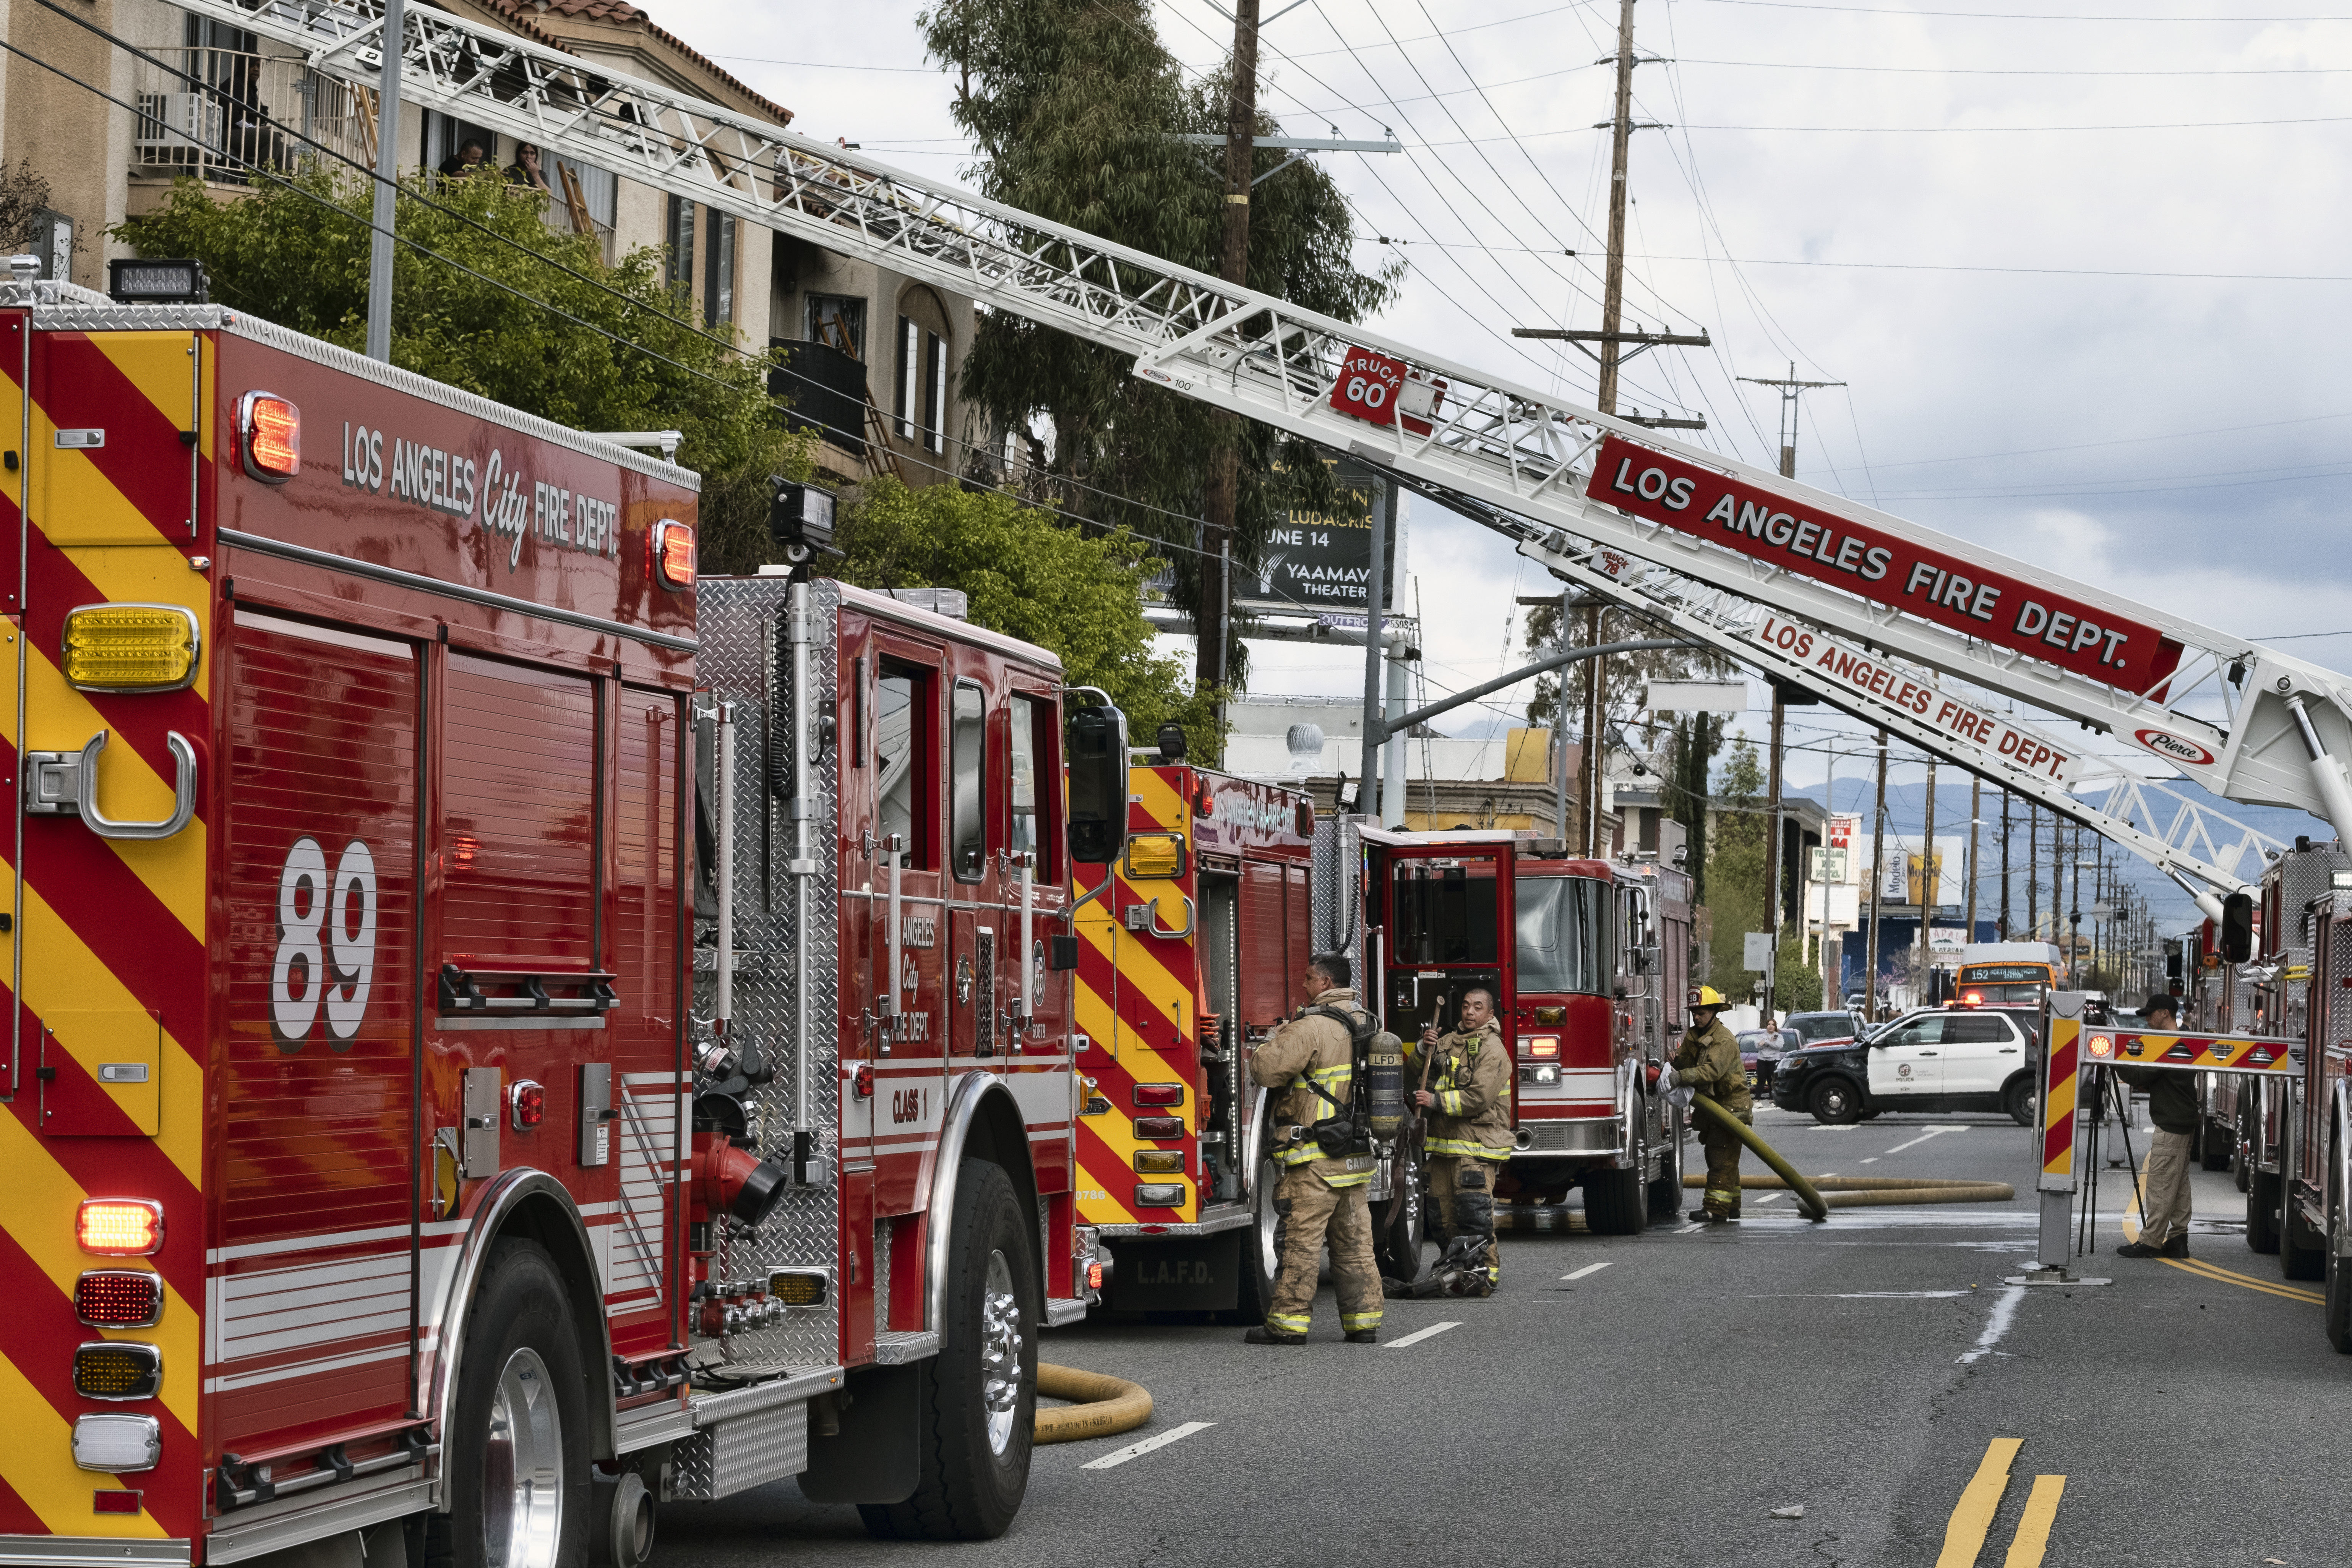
(672, 544)
(130, 648)
(119, 1228)
(271, 436)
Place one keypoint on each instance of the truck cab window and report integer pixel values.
(902, 747)
(966, 751)
(1447, 911)
(1024, 837)
(1563, 935)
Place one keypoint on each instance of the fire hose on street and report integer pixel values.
(1845, 1192)
(1101, 1404)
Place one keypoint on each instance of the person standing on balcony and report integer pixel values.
(524, 171)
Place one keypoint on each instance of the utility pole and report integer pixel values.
(1931, 885)
(2005, 865)
(1976, 843)
(1223, 497)
(1588, 783)
(1878, 881)
(1383, 521)
(2033, 871)
(392, 42)
(1612, 336)
(1559, 734)
(1772, 867)
(1790, 390)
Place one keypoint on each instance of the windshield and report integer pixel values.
(1563, 935)
(1822, 1027)
(1446, 911)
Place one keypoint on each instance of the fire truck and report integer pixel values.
(2287, 1129)
(503, 1034)
(1586, 960)
(1194, 955)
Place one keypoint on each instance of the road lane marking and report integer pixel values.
(1964, 1534)
(1871, 1161)
(1770, 1198)
(2220, 1275)
(1858, 1295)
(1932, 1132)
(1133, 1449)
(2004, 1313)
(1588, 1268)
(2033, 1537)
(1418, 1335)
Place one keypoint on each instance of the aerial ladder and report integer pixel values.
(1861, 607)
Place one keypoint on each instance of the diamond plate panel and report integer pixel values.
(2305, 875)
(747, 659)
(729, 1457)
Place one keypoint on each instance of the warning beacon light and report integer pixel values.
(119, 1228)
(130, 648)
(672, 546)
(269, 436)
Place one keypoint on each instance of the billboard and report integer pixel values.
(1316, 561)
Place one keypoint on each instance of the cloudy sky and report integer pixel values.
(2082, 267)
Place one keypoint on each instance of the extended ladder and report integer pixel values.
(1578, 490)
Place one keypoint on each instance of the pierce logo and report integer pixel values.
(2169, 745)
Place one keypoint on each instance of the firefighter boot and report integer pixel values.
(1262, 1335)
(1363, 1336)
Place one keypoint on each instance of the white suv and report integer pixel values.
(1959, 1059)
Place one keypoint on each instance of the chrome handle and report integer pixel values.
(63, 784)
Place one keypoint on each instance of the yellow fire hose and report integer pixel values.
(1869, 1192)
(1103, 1404)
(1816, 1209)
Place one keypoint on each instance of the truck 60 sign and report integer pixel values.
(1885, 567)
(1383, 391)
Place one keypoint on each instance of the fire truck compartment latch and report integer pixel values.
(1145, 917)
(65, 784)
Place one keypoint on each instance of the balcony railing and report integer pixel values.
(251, 110)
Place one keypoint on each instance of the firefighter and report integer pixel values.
(1322, 1196)
(1708, 1062)
(1466, 1091)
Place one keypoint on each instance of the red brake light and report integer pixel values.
(1158, 1094)
(1094, 1276)
(529, 1101)
(672, 544)
(119, 1228)
(269, 430)
(118, 1299)
(1160, 1127)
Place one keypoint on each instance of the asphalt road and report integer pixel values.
(1654, 1399)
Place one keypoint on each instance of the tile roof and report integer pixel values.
(526, 15)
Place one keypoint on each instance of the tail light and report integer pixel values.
(269, 436)
(1160, 1161)
(1158, 1194)
(119, 1228)
(529, 1102)
(118, 1443)
(1158, 1094)
(1160, 1127)
(1539, 1046)
(117, 1369)
(672, 544)
(118, 1299)
(1094, 1276)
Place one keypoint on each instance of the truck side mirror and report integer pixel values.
(1645, 960)
(1097, 763)
(2237, 928)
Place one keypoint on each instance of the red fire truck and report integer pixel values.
(500, 1037)
(1194, 955)
(2289, 1130)
(1577, 952)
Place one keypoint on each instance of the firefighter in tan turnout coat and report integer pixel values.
(1708, 1062)
(1322, 1196)
(1465, 1093)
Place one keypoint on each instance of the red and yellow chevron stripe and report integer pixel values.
(106, 957)
(1139, 999)
(2060, 1095)
(2193, 1053)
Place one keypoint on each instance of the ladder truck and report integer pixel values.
(501, 1034)
(1869, 610)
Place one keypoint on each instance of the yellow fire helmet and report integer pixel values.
(1707, 996)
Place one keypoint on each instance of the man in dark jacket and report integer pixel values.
(2172, 1106)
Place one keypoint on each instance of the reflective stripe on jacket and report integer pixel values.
(1470, 1075)
(1313, 1048)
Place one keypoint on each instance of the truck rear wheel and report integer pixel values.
(518, 1463)
(1667, 1187)
(1260, 1263)
(2262, 1211)
(2303, 1251)
(976, 1401)
(2339, 1310)
(1616, 1202)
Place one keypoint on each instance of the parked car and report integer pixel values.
(1824, 1029)
(1760, 1051)
(1938, 1059)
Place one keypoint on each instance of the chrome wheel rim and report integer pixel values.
(522, 1463)
(1000, 1353)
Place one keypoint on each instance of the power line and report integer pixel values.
(1936, 130)
(1987, 71)
(2004, 15)
(1929, 266)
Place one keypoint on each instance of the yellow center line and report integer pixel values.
(2222, 1276)
(1972, 1516)
(2033, 1537)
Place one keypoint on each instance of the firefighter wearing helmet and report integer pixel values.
(1708, 1061)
